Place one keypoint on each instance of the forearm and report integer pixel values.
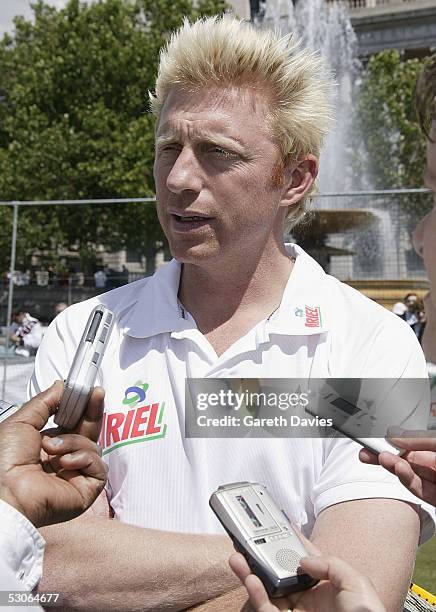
(103, 564)
(233, 601)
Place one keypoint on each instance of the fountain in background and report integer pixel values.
(351, 237)
(326, 27)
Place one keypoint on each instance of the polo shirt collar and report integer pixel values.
(302, 310)
(156, 309)
(304, 306)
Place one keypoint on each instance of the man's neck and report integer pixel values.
(216, 294)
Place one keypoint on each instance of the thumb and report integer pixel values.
(341, 575)
(40, 408)
(90, 424)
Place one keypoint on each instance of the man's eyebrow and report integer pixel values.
(163, 138)
(226, 142)
(205, 136)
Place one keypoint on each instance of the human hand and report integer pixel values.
(342, 588)
(51, 476)
(416, 469)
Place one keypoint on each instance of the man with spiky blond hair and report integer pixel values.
(241, 118)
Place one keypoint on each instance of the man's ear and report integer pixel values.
(299, 177)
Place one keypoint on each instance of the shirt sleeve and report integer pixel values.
(21, 548)
(390, 351)
(344, 478)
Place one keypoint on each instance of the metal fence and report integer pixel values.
(67, 286)
(358, 236)
(362, 238)
(365, 239)
(367, 235)
(32, 288)
(15, 373)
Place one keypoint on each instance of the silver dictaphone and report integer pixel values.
(264, 535)
(83, 372)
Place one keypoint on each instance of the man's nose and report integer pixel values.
(186, 173)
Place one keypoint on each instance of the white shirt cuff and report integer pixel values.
(21, 546)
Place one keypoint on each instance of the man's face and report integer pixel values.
(217, 162)
(424, 236)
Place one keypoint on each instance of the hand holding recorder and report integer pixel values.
(416, 468)
(263, 534)
(51, 479)
(342, 589)
(277, 555)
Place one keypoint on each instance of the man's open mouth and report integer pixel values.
(190, 218)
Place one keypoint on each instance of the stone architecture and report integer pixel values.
(408, 25)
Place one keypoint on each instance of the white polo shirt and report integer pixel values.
(158, 478)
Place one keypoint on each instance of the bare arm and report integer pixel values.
(99, 563)
(378, 537)
(235, 600)
(128, 568)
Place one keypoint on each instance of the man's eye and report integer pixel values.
(224, 153)
(169, 147)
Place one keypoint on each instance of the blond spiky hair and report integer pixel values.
(222, 51)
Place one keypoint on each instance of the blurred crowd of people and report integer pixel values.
(412, 310)
(103, 278)
(25, 333)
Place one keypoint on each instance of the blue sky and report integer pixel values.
(10, 8)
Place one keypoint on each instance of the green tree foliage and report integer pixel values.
(74, 122)
(387, 123)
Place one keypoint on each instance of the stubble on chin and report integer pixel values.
(200, 251)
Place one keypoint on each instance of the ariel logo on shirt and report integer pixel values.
(135, 394)
(140, 423)
(313, 316)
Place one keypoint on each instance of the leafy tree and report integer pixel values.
(74, 122)
(387, 123)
